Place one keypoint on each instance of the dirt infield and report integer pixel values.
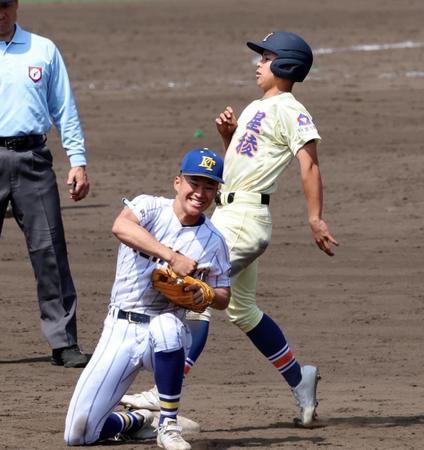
(147, 76)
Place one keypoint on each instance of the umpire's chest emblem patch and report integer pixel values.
(35, 73)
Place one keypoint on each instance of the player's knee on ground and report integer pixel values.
(168, 333)
(77, 433)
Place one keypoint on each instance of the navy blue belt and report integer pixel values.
(23, 143)
(133, 317)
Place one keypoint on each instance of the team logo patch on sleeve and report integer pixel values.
(35, 73)
(303, 120)
(305, 125)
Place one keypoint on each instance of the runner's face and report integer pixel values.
(8, 17)
(265, 79)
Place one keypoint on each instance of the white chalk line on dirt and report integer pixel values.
(119, 86)
(115, 86)
(369, 48)
(411, 74)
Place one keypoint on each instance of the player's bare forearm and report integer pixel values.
(222, 298)
(127, 229)
(311, 180)
(312, 186)
(226, 143)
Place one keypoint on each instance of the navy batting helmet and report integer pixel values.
(294, 55)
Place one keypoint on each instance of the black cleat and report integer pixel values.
(69, 357)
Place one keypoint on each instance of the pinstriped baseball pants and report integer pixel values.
(122, 351)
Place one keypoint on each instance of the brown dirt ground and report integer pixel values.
(147, 75)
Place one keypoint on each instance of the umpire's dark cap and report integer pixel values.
(6, 2)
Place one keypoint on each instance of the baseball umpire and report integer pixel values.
(35, 93)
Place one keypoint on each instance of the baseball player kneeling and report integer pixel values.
(163, 241)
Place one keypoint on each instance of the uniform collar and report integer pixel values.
(201, 221)
(20, 36)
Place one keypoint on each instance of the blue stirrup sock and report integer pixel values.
(120, 422)
(270, 341)
(169, 374)
(199, 332)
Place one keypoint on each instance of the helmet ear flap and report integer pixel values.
(295, 69)
(282, 70)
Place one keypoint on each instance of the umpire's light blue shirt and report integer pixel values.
(35, 92)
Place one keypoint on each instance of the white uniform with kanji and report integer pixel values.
(270, 132)
(124, 346)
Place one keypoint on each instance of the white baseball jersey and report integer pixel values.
(132, 290)
(270, 132)
(125, 346)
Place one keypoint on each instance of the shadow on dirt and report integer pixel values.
(250, 442)
(36, 359)
(380, 421)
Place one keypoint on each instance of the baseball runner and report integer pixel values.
(268, 135)
(35, 93)
(143, 330)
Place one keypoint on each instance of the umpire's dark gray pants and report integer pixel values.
(27, 179)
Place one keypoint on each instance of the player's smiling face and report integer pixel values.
(194, 196)
(265, 79)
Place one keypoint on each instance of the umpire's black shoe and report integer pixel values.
(69, 357)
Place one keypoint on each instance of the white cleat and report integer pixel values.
(145, 400)
(170, 436)
(188, 426)
(305, 394)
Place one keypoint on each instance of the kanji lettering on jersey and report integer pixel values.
(255, 123)
(248, 145)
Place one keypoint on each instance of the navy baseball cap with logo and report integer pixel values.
(203, 163)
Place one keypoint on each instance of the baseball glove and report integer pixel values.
(172, 287)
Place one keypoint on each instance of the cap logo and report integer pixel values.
(208, 163)
(267, 36)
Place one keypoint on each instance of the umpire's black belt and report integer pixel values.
(133, 317)
(224, 198)
(23, 143)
